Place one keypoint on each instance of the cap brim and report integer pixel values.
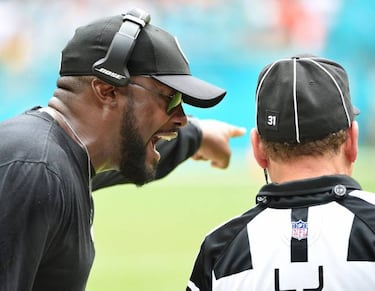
(194, 91)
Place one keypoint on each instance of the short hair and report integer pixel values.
(284, 151)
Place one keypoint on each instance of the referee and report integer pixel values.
(313, 227)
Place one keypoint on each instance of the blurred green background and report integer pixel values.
(147, 238)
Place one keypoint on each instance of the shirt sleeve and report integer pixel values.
(172, 153)
(201, 276)
(27, 222)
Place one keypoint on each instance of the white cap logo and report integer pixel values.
(179, 48)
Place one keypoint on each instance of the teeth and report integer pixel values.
(167, 136)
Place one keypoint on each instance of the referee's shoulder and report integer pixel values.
(364, 195)
(226, 232)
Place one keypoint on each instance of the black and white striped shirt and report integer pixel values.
(315, 234)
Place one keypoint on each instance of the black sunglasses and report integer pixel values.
(174, 100)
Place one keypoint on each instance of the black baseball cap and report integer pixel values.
(303, 98)
(156, 53)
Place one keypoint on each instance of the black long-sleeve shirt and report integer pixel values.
(46, 204)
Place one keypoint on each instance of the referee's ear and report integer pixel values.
(351, 143)
(258, 149)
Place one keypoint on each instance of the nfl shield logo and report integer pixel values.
(299, 229)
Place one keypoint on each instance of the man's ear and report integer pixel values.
(351, 143)
(105, 93)
(258, 149)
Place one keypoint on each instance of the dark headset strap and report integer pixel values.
(113, 67)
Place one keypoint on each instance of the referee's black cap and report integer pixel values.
(303, 98)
